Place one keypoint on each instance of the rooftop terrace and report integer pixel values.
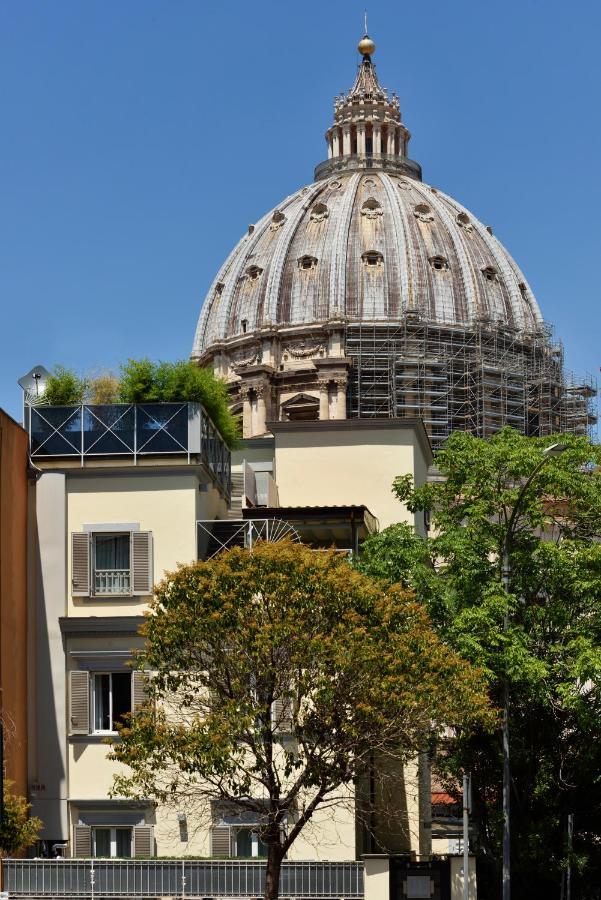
(128, 434)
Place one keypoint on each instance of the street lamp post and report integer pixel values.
(548, 452)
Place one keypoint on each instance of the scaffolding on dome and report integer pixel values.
(476, 379)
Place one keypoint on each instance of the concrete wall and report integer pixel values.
(457, 878)
(13, 599)
(329, 466)
(47, 694)
(167, 504)
(347, 462)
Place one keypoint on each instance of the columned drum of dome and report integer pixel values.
(369, 293)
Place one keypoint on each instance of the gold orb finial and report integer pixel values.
(366, 46)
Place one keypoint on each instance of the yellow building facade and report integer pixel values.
(105, 527)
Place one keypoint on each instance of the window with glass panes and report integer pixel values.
(111, 700)
(111, 564)
(248, 842)
(111, 842)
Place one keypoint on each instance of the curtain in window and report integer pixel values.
(112, 551)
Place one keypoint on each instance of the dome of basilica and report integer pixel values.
(369, 293)
(368, 246)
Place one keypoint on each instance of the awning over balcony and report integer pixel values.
(322, 527)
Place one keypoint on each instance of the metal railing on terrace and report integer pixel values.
(134, 431)
(153, 878)
(215, 535)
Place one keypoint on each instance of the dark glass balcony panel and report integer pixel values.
(162, 427)
(55, 430)
(108, 430)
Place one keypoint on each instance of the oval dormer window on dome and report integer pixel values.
(439, 263)
(463, 220)
(277, 220)
(423, 212)
(490, 274)
(307, 263)
(371, 209)
(253, 272)
(372, 258)
(319, 213)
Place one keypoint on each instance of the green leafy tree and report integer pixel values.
(276, 676)
(542, 636)
(18, 830)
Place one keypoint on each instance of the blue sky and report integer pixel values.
(140, 139)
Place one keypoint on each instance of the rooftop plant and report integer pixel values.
(64, 388)
(145, 381)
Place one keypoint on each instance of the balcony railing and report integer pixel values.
(150, 878)
(112, 581)
(133, 431)
(215, 535)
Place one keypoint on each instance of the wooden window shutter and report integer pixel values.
(282, 715)
(79, 702)
(143, 843)
(82, 840)
(141, 563)
(138, 689)
(221, 840)
(80, 564)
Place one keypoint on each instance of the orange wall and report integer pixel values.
(13, 598)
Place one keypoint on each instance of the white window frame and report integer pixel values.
(113, 839)
(254, 840)
(122, 593)
(93, 692)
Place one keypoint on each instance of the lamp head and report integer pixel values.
(554, 449)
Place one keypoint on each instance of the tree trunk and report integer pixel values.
(272, 875)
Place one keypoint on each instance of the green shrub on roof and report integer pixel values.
(145, 381)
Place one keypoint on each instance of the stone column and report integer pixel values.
(377, 138)
(340, 398)
(360, 139)
(244, 394)
(330, 150)
(336, 142)
(346, 140)
(390, 140)
(324, 399)
(261, 392)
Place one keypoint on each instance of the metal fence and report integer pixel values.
(128, 430)
(153, 878)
